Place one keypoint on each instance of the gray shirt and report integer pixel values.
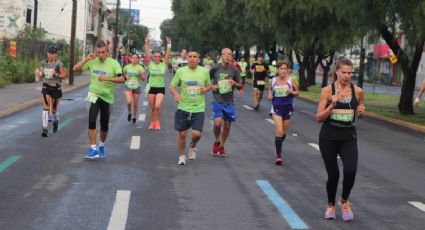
(48, 77)
(220, 76)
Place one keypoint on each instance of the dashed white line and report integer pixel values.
(120, 211)
(314, 145)
(248, 107)
(270, 121)
(135, 142)
(419, 205)
(145, 103)
(142, 117)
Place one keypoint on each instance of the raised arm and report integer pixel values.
(79, 66)
(168, 51)
(147, 48)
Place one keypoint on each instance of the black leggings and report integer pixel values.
(348, 152)
(104, 109)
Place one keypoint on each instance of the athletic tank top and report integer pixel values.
(280, 96)
(340, 123)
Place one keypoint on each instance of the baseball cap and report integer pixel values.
(52, 49)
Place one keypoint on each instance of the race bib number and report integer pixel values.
(344, 115)
(48, 73)
(280, 91)
(224, 86)
(193, 91)
(91, 97)
(261, 82)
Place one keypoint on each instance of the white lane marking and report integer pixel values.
(120, 211)
(314, 145)
(135, 142)
(142, 117)
(145, 103)
(270, 121)
(419, 205)
(295, 134)
(248, 107)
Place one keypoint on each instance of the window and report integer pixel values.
(29, 14)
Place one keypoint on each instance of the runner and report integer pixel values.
(182, 60)
(52, 72)
(156, 82)
(105, 71)
(134, 73)
(244, 65)
(420, 93)
(259, 70)
(208, 62)
(295, 77)
(273, 69)
(195, 82)
(225, 77)
(339, 103)
(281, 92)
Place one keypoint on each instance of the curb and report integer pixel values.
(375, 116)
(22, 106)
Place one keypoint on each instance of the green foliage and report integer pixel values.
(29, 32)
(15, 71)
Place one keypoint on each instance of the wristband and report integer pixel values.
(168, 45)
(416, 100)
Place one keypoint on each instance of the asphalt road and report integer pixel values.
(46, 183)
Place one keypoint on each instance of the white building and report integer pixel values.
(13, 17)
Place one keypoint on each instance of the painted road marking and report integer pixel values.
(282, 206)
(120, 211)
(270, 121)
(142, 117)
(65, 122)
(135, 142)
(145, 103)
(314, 145)
(8, 162)
(248, 107)
(419, 205)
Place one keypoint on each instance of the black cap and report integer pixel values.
(260, 55)
(52, 49)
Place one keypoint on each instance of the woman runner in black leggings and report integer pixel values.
(339, 104)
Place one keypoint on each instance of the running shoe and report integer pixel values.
(55, 125)
(129, 117)
(182, 160)
(330, 212)
(215, 149)
(50, 118)
(347, 214)
(157, 125)
(101, 151)
(278, 161)
(133, 121)
(44, 133)
(192, 153)
(152, 126)
(92, 154)
(221, 152)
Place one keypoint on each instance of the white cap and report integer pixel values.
(274, 62)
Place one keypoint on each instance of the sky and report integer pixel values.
(152, 13)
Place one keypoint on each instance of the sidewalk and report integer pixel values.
(17, 97)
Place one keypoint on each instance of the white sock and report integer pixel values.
(101, 143)
(45, 118)
(93, 146)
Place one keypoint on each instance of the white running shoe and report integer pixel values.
(192, 153)
(182, 160)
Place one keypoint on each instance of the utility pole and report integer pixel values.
(72, 43)
(114, 51)
(361, 68)
(129, 26)
(35, 14)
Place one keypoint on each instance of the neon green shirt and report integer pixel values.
(243, 67)
(193, 100)
(108, 68)
(273, 70)
(157, 74)
(133, 75)
(295, 78)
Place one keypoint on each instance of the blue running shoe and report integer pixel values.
(101, 151)
(92, 154)
(50, 118)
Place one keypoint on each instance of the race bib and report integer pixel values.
(280, 91)
(261, 82)
(224, 86)
(344, 115)
(133, 84)
(91, 97)
(193, 91)
(48, 73)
